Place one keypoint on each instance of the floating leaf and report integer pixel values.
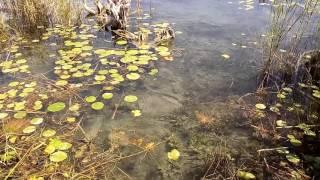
(164, 53)
(132, 68)
(49, 149)
(3, 115)
(29, 129)
(36, 121)
(121, 42)
(153, 72)
(20, 115)
(99, 77)
(90, 99)
(48, 133)
(261, 106)
(58, 156)
(61, 83)
(130, 98)
(56, 107)
(107, 96)
(74, 107)
(71, 119)
(293, 158)
(97, 106)
(133, 76)
(226, 56)
(136, 113)
(245, 175)
(174, 155)
(281, 123)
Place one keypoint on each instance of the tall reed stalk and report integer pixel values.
(25, 15)
(290, 23)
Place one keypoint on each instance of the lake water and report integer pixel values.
(198, 84)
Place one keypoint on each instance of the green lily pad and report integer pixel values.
(130, 98)
(97, 106)
(56, 107)
(132, 68)
(293, 158)
(20, 115)
(61, 83)
(99, 77)
(245, 175)
(107, 96)
(153, 72)
(90, 99)
(49, 149)
(133, 76)
(136, 113)
(36, 121)
(58, 156)
(29, 129)
(71, 119)
(121, 42)
(48, 133)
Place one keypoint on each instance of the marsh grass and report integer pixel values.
(291, 22)
(26, 15)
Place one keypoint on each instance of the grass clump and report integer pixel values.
(26, 15)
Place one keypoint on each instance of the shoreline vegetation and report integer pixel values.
(41, 134)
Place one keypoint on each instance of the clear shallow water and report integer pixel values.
(198, 80)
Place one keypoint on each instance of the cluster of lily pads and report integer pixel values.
(81, 62)
(285, 105)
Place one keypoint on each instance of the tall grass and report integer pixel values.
(25, 15)
(290, 24)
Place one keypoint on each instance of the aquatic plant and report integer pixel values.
(27, 15)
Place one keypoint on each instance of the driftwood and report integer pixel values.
(113, 14)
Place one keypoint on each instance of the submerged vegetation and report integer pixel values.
(84, 77)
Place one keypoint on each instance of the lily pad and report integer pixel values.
(36, 121)
(49, 149)
(225, 56)
(293, 158)
(74, 107)
(132, 68)
(136, 113)
(56, 107)
(121, 42)
(245, 175)
(29, 129)
(48, 133)
(3, 115)
(261, 106)
(90, 99)
(107, 96)
(130, 98)
(281, 123)
(20, 115)
(97, 106)
(58, 156)
(133, 76)
(174, 155)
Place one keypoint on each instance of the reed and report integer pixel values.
(291, 22)
(26, 15)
